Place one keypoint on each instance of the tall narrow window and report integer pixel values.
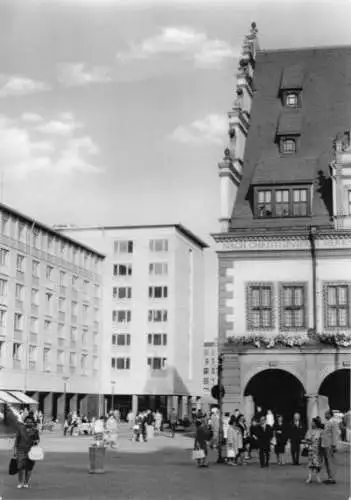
(299, 202)
(338, 306)
(265, 204)
(282, 202)
(288, 146)
(260, 307)
(292, 306)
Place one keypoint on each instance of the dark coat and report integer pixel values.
(296, 433)
(264, 436)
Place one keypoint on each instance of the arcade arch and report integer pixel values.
(336, 387)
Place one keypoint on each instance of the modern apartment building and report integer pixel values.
(210, 366)
(152, 314)
(50, 317)
(285, 247)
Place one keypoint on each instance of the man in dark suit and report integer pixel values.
(264, 435)
(297, 433)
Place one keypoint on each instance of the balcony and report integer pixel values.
(61, 316)
(32, 365)
(50, 284)
(19, 305)
(18, 335)
(59, 368)
(35, 281)
(72, 370)
(33, 338)
(48, 312)
(34, 309)
(20, 276)
(63, 290)
(17, 364)
(61, 342)
(74, 319)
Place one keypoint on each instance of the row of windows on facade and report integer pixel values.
(154, 315)
(50, 299)
(207, 370)
(283, 202)
(210, 352)
(50, 273)
(28, 233)
(125, 292)
(155, 339)
(47, 354)
(125, 363)
(293, 307)
(128, 246)
(155, 269)
(48, 327)
(207, 381)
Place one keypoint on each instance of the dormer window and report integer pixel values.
(284, 201)
(287, 145)
(291, 99)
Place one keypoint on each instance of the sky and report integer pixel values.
(115, 111)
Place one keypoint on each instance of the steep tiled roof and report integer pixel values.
(325, 77)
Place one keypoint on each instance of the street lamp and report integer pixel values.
(65, 380)
(113, 383)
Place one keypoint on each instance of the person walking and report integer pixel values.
(173, 419)
(242, 438)
(253, 440)
(112, 430)
(264, 434)
(27, 436)
(158, 422)
(296, 434)
(232, 442)
(313, 441)
(131, 423)
(280, 436)
(329, 438)
(200, 442)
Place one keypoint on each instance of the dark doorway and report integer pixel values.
(336, 387)
(278, 391)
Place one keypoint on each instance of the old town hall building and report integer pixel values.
(284, 250)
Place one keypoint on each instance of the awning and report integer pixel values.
(7, 398)
(24, 398)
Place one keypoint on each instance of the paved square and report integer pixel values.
(162, 470)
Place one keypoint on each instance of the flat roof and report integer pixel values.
(179, 227)
(49, 229)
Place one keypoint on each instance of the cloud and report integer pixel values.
(16, 86)
(77, 74)
(211, 129)
(66, 125)
(21, 154)
(31, 118)
(183, 42)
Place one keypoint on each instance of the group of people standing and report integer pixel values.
(144, 425)
(266, 434)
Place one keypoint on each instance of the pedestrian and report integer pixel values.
(112, 430)
(242, 429)
(131, 424)
(173, 419)
(65, 427)
(158, 422)
(27, 436)
(200, 443)
(329, 438)
(296, 434)
(233, 443)
(264, 434)
(253, 440)
(313, 442)
(270, 418)
(280, 437)
(150, 420)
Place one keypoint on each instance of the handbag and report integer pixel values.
(13, 469)
(305, 451)
(36, 454)
(198, 454)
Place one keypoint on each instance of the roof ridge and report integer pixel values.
(311, 47)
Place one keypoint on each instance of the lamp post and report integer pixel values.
(65, 380)
(113, 383)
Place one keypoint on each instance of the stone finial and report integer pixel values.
(253, 29)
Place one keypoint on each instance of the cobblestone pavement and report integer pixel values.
(161, 469)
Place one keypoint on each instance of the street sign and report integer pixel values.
(217, 392)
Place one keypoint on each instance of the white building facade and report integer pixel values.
(50, 317)
(152, 315)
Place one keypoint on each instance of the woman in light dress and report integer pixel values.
(112, 430)
(313, 442)
(234, 442)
